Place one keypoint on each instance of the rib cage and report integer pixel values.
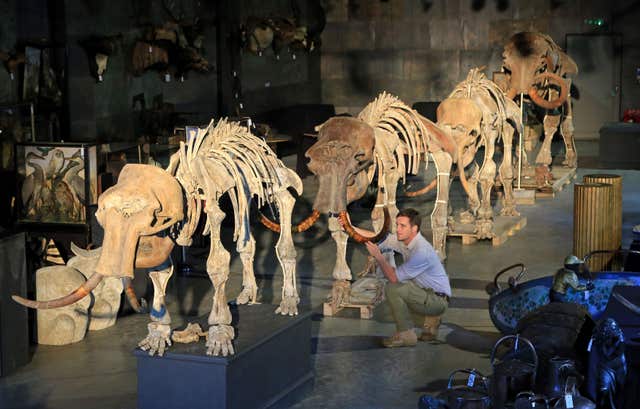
(227, 158)
(476, 84)
(389, 114)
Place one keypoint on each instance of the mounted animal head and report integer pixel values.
(340, 158)
(534, 63)
(145, 201)
(12, 62)
(98, 50)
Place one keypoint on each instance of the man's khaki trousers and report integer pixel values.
(410, 304)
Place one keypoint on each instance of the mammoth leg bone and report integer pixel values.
(341, 273)
(286, 253)
(247, 249)
(484, 224)
(443, 163)
(506, 174)
(221, 333)
(159, 336)
(473, 199)
(566, 129)
(550, 123)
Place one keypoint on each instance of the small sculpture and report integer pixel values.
(144, 212)
(477, 114)
(607, 364)
(566, 278)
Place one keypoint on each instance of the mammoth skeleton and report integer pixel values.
(388, 139)
(535, 66)
(143, 214)
(477, 114)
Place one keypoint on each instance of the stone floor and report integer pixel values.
(352, 370)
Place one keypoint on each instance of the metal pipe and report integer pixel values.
(520, 140)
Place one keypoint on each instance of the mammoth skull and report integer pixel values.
(145, 201)
(339, 159)
(533, 62)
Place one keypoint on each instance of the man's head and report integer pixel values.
(408, 223)
(572, 263)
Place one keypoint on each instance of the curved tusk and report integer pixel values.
(463, 180)
(131, 295)
(299, 228)
(360, 238)
(541, 102)
(77, 295)
(424, 190)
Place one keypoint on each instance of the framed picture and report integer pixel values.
(56, 182)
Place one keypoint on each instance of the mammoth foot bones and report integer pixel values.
(219, 341)
(157, 340)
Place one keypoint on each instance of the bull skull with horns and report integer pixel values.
(536, 67)
(391, 139)
(141, 213)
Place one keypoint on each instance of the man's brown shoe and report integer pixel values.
(430, 328)
(406, 338)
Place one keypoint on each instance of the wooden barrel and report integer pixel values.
(592, 221)
(616, 182)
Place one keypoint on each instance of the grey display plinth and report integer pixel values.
(272, 365)
(14, 325)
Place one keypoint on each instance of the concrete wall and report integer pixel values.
(419, 50)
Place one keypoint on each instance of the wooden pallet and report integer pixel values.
(503, 227)
(366, 310)
(562, 177)
(366, 306)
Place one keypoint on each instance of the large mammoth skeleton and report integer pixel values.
(536, 66)
(387, 138)
(477, 114)
(143, 214)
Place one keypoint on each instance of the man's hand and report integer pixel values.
(374, 250)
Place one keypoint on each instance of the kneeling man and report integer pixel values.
(419, 287)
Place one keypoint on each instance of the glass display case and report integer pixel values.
(56, 182)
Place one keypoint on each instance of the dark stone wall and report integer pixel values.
(420, 49)
(103, 111)
(626, 16)
(8, 33)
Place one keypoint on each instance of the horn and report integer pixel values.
(302, 226)
(360, 238)
(77, 295)
(543, 103)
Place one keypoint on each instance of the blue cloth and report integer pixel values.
(421, 263)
